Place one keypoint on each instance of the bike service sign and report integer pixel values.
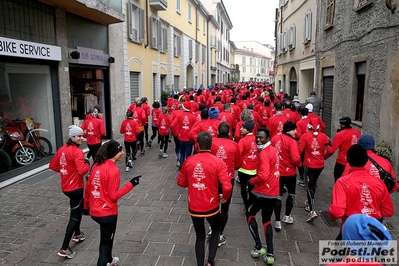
(358, 251)
(18, 48)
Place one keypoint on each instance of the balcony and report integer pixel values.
(159, 5)
(101, 11)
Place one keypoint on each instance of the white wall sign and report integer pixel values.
(12, 47)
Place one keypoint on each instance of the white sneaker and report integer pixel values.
(237, 179)
(288, 219)
(209, 232)
(178, 163)
(127, 168)
(160, 153)
(165, 155)
(277, 226)
(130, 164)
(312, 216)
(115, 261)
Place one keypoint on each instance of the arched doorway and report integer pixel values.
(293, 82)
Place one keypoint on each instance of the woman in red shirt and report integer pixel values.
(102, 194)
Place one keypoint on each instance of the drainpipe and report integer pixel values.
(391, 6)
(146, 24)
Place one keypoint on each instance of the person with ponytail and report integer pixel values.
(102, 194)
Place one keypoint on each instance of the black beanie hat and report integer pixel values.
(248, 125)
(288, 126)
(345, 121)
(113, 148)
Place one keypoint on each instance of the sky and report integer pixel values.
(253, 20)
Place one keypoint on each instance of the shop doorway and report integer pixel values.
(90, 87)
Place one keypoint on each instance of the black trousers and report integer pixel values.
(199, 227)
(107, 234)
(75, 217)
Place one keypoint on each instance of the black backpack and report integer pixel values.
(386, 177)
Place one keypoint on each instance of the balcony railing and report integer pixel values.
(160, 5)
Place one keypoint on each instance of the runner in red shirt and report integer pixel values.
(130, 128)
(155, 113)
(277, 121)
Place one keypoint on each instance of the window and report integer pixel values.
(197, 50)
(330, 13)
(204, 26)
(178, 6)
(136, 23)
(190, 49)
(203, 54)
(244, 60)
(155, 33)
(244, 70)
(361, 83)
(189, 12)
(291, 38)
(176, 45)
(197, 21)
(307, 33)
(164, 40)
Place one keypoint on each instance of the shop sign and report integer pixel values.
(92, 57)
(18, 48)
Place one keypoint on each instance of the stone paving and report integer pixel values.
(154, 227)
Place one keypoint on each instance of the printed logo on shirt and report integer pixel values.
(354, 139)
(90, 128)
(366, 199)
(96, 184)
(315, 147)
(128, 129)
(253, 151)
(199, 174)
(221, 153)
(64, 164)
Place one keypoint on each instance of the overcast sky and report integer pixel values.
(253, 20)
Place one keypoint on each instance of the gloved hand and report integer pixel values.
(87, 161)
(86, 212)
(250, 186)
(135, 180)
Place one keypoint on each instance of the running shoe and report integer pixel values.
(165, 155)
(115, 261)
(127, 168)
(149, 143)
(222, 240)
(288, 219)
(142, 153)
(277, 226)
(79, 238)
(130, 164)
(237, 179)
(178, 163)
(301, 182)
(268, 259)
(307, 207)
(209, 232)
(256, 253)
(312, 216)
(67, 253)
(160, 153)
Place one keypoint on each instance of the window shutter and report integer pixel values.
(141, 25)
(310, 25)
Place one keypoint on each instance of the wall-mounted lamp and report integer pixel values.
(75, 55)
(111, 60)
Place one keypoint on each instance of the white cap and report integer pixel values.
(309, 106)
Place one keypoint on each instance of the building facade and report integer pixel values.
(296, 47)
(357, 58)
(255, 61)
(57, 60)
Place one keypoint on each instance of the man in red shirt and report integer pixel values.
(227, 150)
(290, 112)
(227, 116)
(345, 138)
(277, 121)
(309, 106)
(183, 124)
(288, 151)
(141, 118)
(264, 190)
(249, 156)
(359, 192)
(201, 174)
(147, 111)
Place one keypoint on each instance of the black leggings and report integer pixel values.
(225, 210)
(146, 132)
(311, 184)
(93, 150)
(243, 182)
(140, 139)
(107, 234)
(177, 144)
(131, 150)
(75, 217)
(164, 140)
(338, 170)
(290, 183)
(266, 205)
(199, 226)
(154, 133)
